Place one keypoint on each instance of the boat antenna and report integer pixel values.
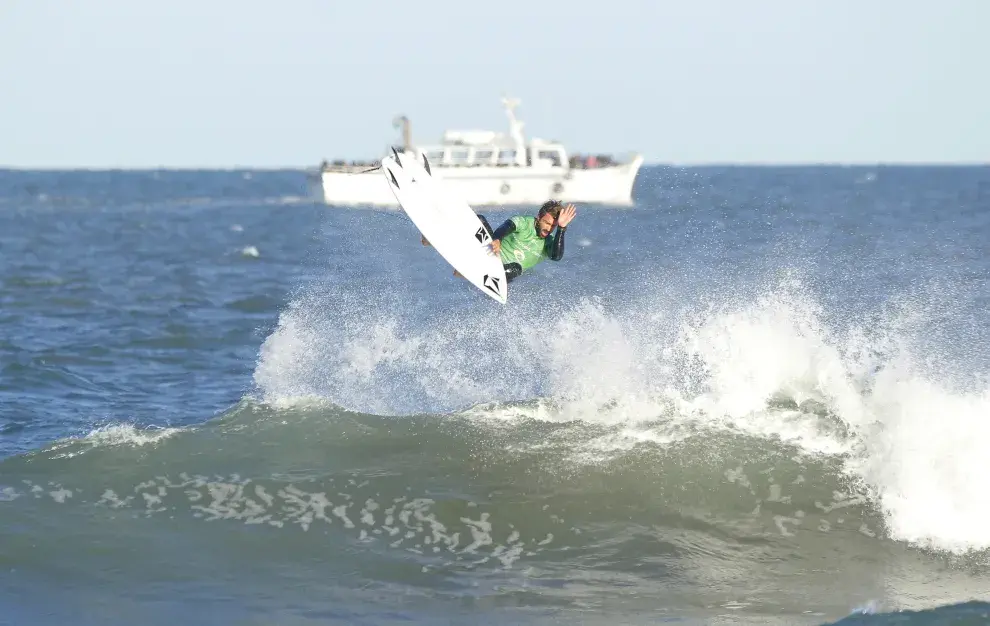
(403, 122)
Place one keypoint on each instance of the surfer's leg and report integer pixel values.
(512, 271)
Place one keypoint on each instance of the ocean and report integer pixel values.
(758, 396)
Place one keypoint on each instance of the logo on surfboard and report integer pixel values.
(492, 284)
(482, 235)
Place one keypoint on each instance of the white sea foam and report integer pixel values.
(114, 434)
(852, 389)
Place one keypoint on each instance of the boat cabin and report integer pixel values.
(493, 155)
(485, 148)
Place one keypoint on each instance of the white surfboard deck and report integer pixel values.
(448, 223)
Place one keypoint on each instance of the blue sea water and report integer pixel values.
(759, 396)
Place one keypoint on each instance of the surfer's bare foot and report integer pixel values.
(458, 274)
(424, 241)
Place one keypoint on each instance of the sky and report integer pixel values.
(218, 83)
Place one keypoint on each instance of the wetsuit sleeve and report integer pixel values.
(507, 227)
(556, 251)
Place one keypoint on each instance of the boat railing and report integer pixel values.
(575, 162)
(348, 167)
(595, 161)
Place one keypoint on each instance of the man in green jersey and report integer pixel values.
(523, 241)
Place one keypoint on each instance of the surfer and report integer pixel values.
(523, 241)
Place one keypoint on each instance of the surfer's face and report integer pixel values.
(544, 225)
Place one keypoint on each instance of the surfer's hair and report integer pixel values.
(552, 207)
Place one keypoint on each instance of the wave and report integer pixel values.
(510, 493)
(654, 440)
(491, 484)
(870, 391)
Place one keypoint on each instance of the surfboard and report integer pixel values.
(448, 223)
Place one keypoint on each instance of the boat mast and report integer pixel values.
(403, 121)
(515, 129)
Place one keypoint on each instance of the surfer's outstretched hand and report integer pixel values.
(496, 246)
(566, 215)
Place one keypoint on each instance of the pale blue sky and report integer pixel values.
(217, 83)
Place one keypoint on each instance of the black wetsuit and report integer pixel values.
(514, 270)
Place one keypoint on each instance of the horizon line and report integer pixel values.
(310, 168)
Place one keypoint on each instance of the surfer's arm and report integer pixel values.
(557, 245)
(508, 227)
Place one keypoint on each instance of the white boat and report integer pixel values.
(487, 168)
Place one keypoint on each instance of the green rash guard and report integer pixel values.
(524, 246)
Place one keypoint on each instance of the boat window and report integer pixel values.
(483, 156)
(506, 157)
(551, 155)
(435, 156)
(458, 157)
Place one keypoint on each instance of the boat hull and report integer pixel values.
(491, 186)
